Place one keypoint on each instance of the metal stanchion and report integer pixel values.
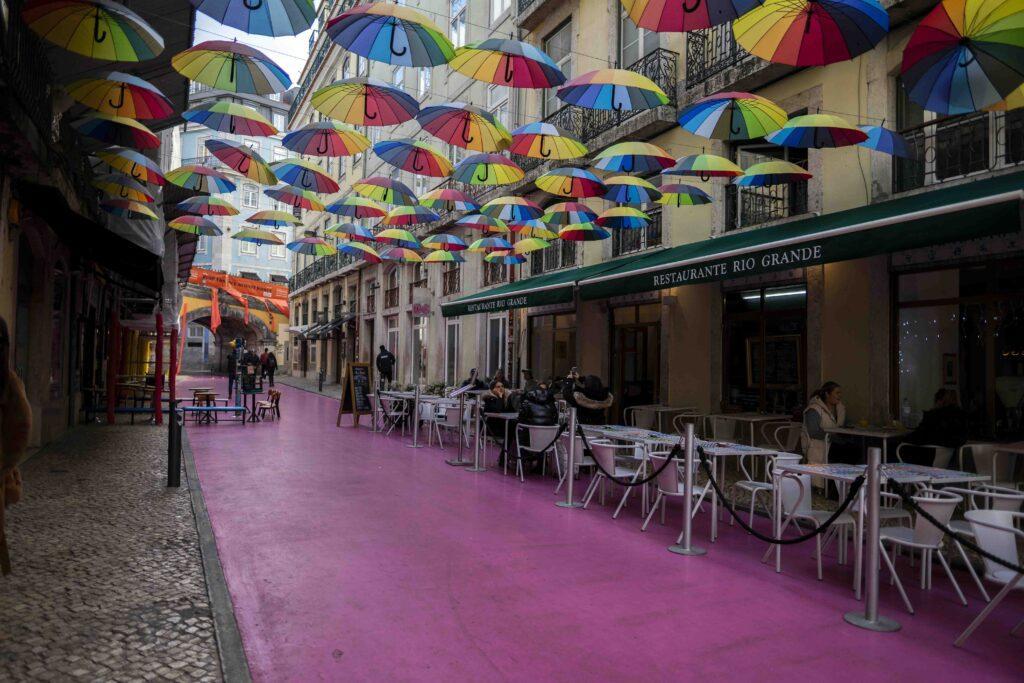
(415, 420)
(570, 465)
(684, 545)
(458, 461)
(477, 466)
(870, 619)
(174, 445)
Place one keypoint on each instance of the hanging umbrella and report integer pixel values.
(478, 221)
(326, 139)
(626, 189)
(354, 206)
(486, 244)
(440, 256)
(817, 131)
(364, 251)
(207, 206)
(312, 246)
(535, 228)
(733, 116)
(505, 258)
(230, 117)
(575, 183)
(365, 102)
(507, 62)
(232, 67)
(400, 254)
(531, 244)
(131, 163)
(390, 33)
(414, 156)
(120, 186)
(679, 194)
(200, 179)
(487, 169)
(466, 126)
(385, 190)
(775, 172)
(116, 130)
(965, 55)
(261, 17)
(295, 197)
(274, 219)
(304, 174)
(351, 231)
(243, 159)
(195, 225)
(633, 157)
(614, 90)
(121, 94)
(449, 199)
(409, 215)
(126, 208)
(583, 232)
(623, 218)
(257, 237)
(704, 166)
(444, 242)
(397, 237)
(568, 213)
(886, 141)
(543, 141)
(512, 209)
(100, 29)
(1014, 100)
(811, 32)
(672, 16)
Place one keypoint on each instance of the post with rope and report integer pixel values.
(570, 465)
(870, 619)
(684, 545)
(415, 420)
(477, 466)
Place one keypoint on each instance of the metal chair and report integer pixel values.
(796, 507)
(983, 497)
(941, 455)
(996, 534)
(542, 442)
(670, 484)
(991, 462)
(605, 453)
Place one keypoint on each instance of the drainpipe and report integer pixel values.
(158, 380)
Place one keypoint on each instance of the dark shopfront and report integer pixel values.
(552, 350)
(635, 356)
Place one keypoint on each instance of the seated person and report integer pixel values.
(944, 425)
(498, 399)
(588, 396)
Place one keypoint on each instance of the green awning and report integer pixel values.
(977, 209)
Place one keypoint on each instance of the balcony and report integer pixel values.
(629, 241)
(714, 62)
(749, 206)
(451, 281)
(391, 298)
(417, 284)
(561, 254)
(321, 268)
(494, 273)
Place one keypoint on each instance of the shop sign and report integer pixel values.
(739, 266)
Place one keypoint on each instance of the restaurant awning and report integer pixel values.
(972, 210)
(322, 330)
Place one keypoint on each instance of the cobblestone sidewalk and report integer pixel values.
(108, 581)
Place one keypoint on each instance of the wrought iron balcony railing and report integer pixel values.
(748, 206)
(562, 254)
(451, 281)
(628, 241)
(391, 298)
(710, 51)
(371, 303)
(321, 268)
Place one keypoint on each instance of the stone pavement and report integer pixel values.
(108, 581)
(331, 389)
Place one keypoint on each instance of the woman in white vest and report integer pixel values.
(824, 411)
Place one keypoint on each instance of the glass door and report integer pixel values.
(636, 356)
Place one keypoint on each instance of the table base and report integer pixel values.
(414, 445)
(883, 624)
(692, 550)
(574, 504)
(476, 469)
(459, 462)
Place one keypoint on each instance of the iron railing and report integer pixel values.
(711, 51)
(524, 5)
(747, 206)
(494, 273)
(628, 241)
(451, 281)
(321, 268)
(417, 284)
(391, 298)
(561, 254)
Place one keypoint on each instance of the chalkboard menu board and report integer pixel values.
(780, 361)
(355, 392)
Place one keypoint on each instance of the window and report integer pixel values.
(391, 324)
(247, 248)
(201, 245)
(423, 85)
(626, 241)
(398, 77)
(457, 22)
(346, 68)
(497, 337)
(419, 349)
(250, 196)
(561, 254)
(498, 7)
(634, 42)
(452, 339)
(558, 45)
(419, 184)
(362, 65)
(497, 102)
(279, 250)
(252, 143)
(552, 345)
(279, 120)
(455, 153)
(195, 331)
(280, 153)
(201, 152)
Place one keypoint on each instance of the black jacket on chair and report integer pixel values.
(538, 408)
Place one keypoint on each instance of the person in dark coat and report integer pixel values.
(589, 397)
(271, 366)
(386, 365)
(232, 370)
(498, 399)
(944, 425)
(538, 407)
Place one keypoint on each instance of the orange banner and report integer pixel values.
(214, 309)
(253, 288)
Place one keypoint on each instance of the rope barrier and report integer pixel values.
(673, 455)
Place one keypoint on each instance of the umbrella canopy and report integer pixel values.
(487, 169)
(195, 225)
(1014, 100)
(512, 209)
(120, 186)
(733, 116)
(207, 206)
(440, 256)
(817, 131)
(126, 208)
(230, 117)
(261, 17)
(505, 258)
(633, 157)
(385, 190)
(965, 55)
(567, 213)
(200, 179)
(671, 16)
(627, 189)
(131, 163)
(312, 246)
(679, 194)
(466, 126)
(116, 130)
(478, 221)
(414, 156)
(365, 102)
(354, 206)
(445, 242)
(504, 61)
(623, 218)
(613, 90)
(531, 244)
(811, 32)
(776, 172)
(121, 94)
(886, 141)
(326, 139)
(575, 183)
(274, 219)
(243, 159)
(485, 244)
(257, 237)
(535, 228)
(391, 33)
(583, 232)
(543, 141)
(351, 231)
(100, 29)
(295, 197)
(232, 67)
(364, 251)
(400, 254)
(409, 215)
(449, 199)
(398, 237)
(704, 166)
(304, 174)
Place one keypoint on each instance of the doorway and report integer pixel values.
(636, 356)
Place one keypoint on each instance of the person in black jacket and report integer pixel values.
(944, 425)
(386, 365)
(589, 397)
(232, 370)
(538, 407)
(498, 399)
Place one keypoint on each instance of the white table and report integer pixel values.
(660, 411)
(883, 434)
(508, 418)
(751, 418)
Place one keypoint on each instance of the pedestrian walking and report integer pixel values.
(271, 366)
(232, 370)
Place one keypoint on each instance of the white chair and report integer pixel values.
(430, 416)
(722, 428)
(448, 418)
(796, 507)
(996, 534)
(695, 418)
(983, 497)
(786, 436)
(991, 462)
(605, 454)
(754, 486)
(925, 537)
(766, 433)
(671, 484)
(542, 442)
(392, 413)
(941, 455)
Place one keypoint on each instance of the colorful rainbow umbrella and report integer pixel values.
(543, 141)
(364, 251)
(704, 166)
(120, 186)
(445, 242)
(568, 213)
(576, 183)
(466, 126)
(512, 209)
(200, 179)
(679, 194)
(627, 189)
(776, 172)
(633, 157)
(351, 231)
(230, 117)
(449, 199)
(116, 130)
(414, 156)
(356, 207)
(207, 206)
(365, 102)
(243, 159)
(398, 237)
(487, 169)
(400, 254)
(733, 116)
(478, 221)
(485, 244)
(817, 131)
(326, 139)
(131, 163)
(623, 218)
(583, 232)
(261, 17)
(531, 244)
(312, 246)
(614, 90)
(965, 55)
(886, 141)
(257, 237)
(100, 29)
(507, 62)
(409, 215)
(505, 258)
(295, 197)
(535, 228)
(274, 219)
(232, 67)
(390, 33)
(195, 225)
(126, 208)
(304, 174)
(385, 190)
(121, 94)
(666, 16)
(440, 256)
(1014, 100)
(811, 32)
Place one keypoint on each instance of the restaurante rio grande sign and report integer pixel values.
(794, 257)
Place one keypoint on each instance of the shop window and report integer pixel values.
(391, 325)
(452, 348)
(636, 355)
(552, 345)
(558, 45)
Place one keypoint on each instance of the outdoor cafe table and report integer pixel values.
(507, 418)
(660, 411)
(751, 418)
(883, 434)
